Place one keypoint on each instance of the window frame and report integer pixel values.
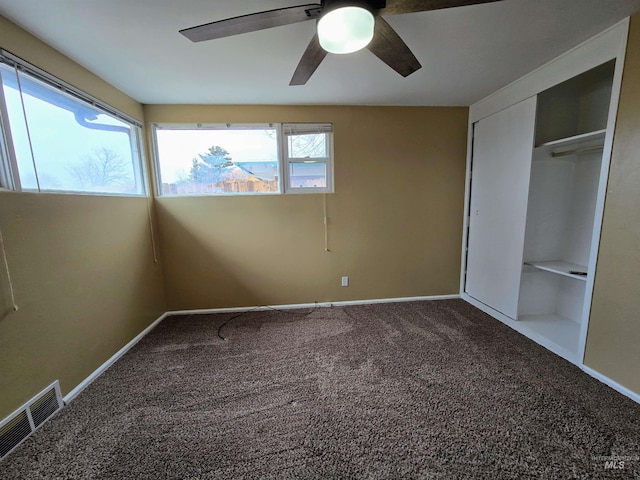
(8, 161)
(157, 170)
(309, 128)
(282, 156)
(9, 170)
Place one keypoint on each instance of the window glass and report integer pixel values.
(217, 160)
(18, 127)
(62, 143)
(308, 157)
(308, 175)
(311, 145)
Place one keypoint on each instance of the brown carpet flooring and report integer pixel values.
(433, 390)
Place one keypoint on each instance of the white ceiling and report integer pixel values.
(466, 52)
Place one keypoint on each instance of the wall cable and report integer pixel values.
(149, 199)
(326, 222)
(266, 308)
(14, 306)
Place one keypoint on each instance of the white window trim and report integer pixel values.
(282, 152)
(9, 164)
(157, 174)
(326, 128)
(328, 170)
(9, 172)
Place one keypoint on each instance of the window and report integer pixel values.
(217, 159)
(308, 156)
(243, 159)
(62, 140)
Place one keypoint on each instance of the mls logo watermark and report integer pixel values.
(615, 462)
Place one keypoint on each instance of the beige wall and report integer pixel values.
(395, 221)
(81, 266)
(613, 342)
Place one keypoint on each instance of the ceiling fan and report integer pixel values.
(343, 26)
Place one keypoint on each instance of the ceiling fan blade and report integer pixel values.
(395, 7)
(391, 49)
(311, 59)
(252, 22)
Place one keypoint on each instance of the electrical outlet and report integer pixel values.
(345, 281)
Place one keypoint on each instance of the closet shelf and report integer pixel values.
(583, 143)
(559, 330)
(561, 268)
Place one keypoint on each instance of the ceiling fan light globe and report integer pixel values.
(346, 29)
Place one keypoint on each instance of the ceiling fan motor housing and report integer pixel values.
(345, 26)
(371, 5)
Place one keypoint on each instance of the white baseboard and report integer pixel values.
(101, 369)
(87, 381)
(539, 339)
(396, 300)
(615, 385)
(311, 305)
(73, 393)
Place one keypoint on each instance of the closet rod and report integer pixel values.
(595, 148)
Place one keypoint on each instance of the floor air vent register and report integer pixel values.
(23, 422)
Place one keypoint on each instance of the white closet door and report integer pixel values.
(502, 152)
